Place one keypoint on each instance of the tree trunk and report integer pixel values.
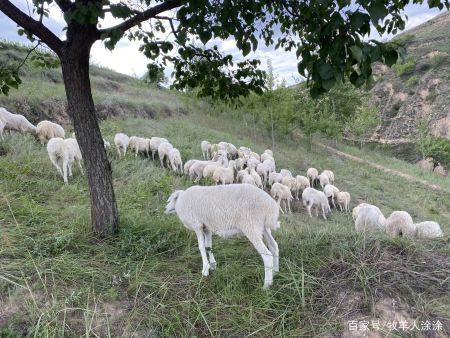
(75, 69)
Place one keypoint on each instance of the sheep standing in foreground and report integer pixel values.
(428, 229)
(331, 192)
(343, 199)
(315, 198)
(15, 122)
(206, 150)
(400, 223)
(121, 141)
(46, 130)
(139, 145)
(369, 219)
(313, 176)
(175, 160)
(282, 193)
(163, 153)
(237, 209)
(62, 153)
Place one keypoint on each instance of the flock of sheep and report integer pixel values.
(238, 204)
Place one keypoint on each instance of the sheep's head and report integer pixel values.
(171, 202)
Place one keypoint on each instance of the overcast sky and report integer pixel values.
(128, 60)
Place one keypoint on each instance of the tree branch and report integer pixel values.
(142, 16)
(65, 5)
(31, 25)
(28, 54)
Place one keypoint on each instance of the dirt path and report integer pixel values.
(387, 170)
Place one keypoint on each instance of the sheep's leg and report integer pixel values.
(308, 206)
(332, 201)
(69, 167)
(162, 163)
(208, 244)
(137, 150)
(267, 259)
(323, 212)
(317, 211)
(201, 246)
(58, 168)
(289, 205)
(65, 166)
(273, 247)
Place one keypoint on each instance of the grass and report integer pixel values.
(56, 280)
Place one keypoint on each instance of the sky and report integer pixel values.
(127, 59)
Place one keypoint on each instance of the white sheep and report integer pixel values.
(230, 148)
(330, 175)
(291, 183)
(196, 169)
(62, 153)
(139, 145)
(244, 152)
(302, 184)
(154, 144)
(268, 151)
(46, 130)
(266, 156)
(106, 144)
(428, 229)
(315, 198)
(224, 175)
(275, 178)
(15, 122)
(313, 176)
(256, 178)
(400, 223)
(324, 179)
(121, 141)
(286, 173)
(240, 174)
(175, 160)
(369, 219)
(239, 164)
(163, 153)
(206, 150)
(356, 209)
(187, 166)
(247, 178)
(252, 162)
(282, 193)
(343, 200)
(236, 209)
(331, 192)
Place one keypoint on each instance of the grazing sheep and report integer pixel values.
(206, 150)
(282, 193)
(209, 170)
(255, 155)
(256, 178)
(237, 209)
(121, 141)
(244, 152)
(196, 169)
(291, 183)
(313, 176)
(239, 164)
(324, 179)
(224, 175)
(46, 130)
(268, 151)
(240, 174)
(275, 178)
(252, 163)
(330, 175)
(62, 153)
(154, 144)
(263, 170)
(163, 153)
(369, 219)
(266, 156)
(15, 122)
(428, 229)
(231, 150)
(175, 160)
(400, 223)
(356, 209)
(139, 145)
(343, 200)
(247, 178)
(315, 198)
(286, 173)
(188, 165)
(302, 184)
(331, 192)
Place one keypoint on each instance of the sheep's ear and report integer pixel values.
(174, 196)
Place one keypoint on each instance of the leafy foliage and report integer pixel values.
(406, 66)
(9, 78)
(438, 149)
(363, 124)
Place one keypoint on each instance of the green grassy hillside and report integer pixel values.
(56, 280)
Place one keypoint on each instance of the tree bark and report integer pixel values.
(75, 68)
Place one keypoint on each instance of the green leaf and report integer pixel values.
(390, 57)
(246, 48)
(377, 11)
(325, 71)
(356, 53)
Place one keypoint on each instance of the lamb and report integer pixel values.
(15, 122)
(209, 170)
(252, 163)
(343, 200)
(356, 209)
(313, 176)
(312, 197)
(175, 160)
(428, 229)
(266, 156)
(121, 141)
(46, 130)
(236, 209)
(291, 183)
(224, 175)
(400, 223)
(285, 173)
(330, 175)
(163, 153)
(324, 179)
(331, 192)
(62, 153)
(263, 170)
(206, 150)
(240, 175)
(239, 164)
(282, 193)
(154, 144)
(139, 144)
(302, 184)
(369, 219)
(275, 178)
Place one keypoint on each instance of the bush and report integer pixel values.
(405, 40)
(405, 67)
(438, 59)
(412, 81)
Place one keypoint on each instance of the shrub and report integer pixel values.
(406, 66)
(437, 59)
(412, 81)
